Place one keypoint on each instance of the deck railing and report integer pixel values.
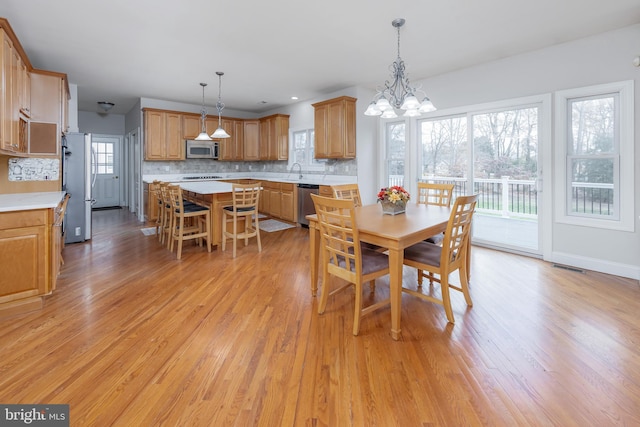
(516, 197)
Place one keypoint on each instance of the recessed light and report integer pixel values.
(295, 98)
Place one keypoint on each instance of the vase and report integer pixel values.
(390, 208)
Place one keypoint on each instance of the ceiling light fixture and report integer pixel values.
(398, 92)
(203, 136)
(220, 133)
(106, 106)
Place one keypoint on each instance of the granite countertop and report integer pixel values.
(30, 201)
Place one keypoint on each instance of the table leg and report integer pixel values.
(314, 250)
(395, 290)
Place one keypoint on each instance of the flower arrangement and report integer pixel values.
(395, 194)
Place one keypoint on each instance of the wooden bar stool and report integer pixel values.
(245, 206)
(189, 222)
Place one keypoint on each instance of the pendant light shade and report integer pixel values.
(203, 136)
(220, 132)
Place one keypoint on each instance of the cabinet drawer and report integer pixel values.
(20, 219)
(326, 191)
(287, 187)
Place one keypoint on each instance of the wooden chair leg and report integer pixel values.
(446, 298)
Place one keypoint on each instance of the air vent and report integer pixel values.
(567, 267)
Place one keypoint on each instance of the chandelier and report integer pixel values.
(203, 136)
(398, 92)
(220, 132)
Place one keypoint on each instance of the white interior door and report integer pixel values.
(106, 190)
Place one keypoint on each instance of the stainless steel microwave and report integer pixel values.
(202, 149)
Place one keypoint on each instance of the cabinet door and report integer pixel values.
(288, 202)
(6, 102)
(264, 139)
(174, 142)
(320, 131)
(238, 141)
(251, 140)
(191, 126)
(335, 130)
(282, 138)
(154, 135)
(23, 267)
(275, 204)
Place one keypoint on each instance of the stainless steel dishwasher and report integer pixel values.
(305, 204)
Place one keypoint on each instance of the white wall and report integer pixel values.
(107, 124)
(595, 60)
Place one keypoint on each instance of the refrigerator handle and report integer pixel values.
(94, 171)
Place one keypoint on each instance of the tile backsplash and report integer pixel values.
(332, 167)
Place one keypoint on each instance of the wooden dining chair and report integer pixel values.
(437, 195)
(189, 222)
(343, 257)
(347, 192)
(443, 260)
(245, 207)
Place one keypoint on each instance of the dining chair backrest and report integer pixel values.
(455, 243)
(347, 192)
(435, 194)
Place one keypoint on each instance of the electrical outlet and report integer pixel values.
(237, 167)
(78, 231)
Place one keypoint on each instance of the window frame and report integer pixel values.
(314, 165)
(623, 157)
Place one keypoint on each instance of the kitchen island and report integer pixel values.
(30, 246)
(214, 195)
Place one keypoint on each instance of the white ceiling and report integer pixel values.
(122, 50)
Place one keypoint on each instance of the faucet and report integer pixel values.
(300, 166)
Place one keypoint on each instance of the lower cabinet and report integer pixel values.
(30, 246)
(279, 200)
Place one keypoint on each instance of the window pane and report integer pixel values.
(505, 144)
(592, 186)
(395, 153)
(444, 147)
(592, 126)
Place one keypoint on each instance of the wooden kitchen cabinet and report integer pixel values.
(251, 140)
(232, 149)
(191, 126)
(279, 200)
(30, 257)
(9, 103)
(48, 97)
(335, 128)
(163, 135)
(289, 197)
(274, 137)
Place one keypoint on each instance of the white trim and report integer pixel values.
(595, 264)
(626, 150)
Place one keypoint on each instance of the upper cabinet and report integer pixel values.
(33, 103)
(274, 137)
(48, 116)
(251, 140)
(335, 128)
(163, 135)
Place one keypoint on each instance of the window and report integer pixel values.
(395, 152)
(302, 151)
(104, 157)
(595, 141)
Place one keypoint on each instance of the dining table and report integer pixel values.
(395, 232)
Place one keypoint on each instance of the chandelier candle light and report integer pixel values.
(203, 136)
(398, 92)
(220, 132)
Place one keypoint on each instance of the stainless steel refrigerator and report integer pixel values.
(78, 179)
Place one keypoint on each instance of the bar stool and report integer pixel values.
(245, 206)
(189, 222)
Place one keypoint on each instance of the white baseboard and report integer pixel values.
(602, 266)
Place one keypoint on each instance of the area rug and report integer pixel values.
(271, 225)
(149, 231)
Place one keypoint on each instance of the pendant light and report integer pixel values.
(203, 136)
(398, 92)
(220, 133)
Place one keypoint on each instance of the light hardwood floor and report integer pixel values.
(134, 337)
